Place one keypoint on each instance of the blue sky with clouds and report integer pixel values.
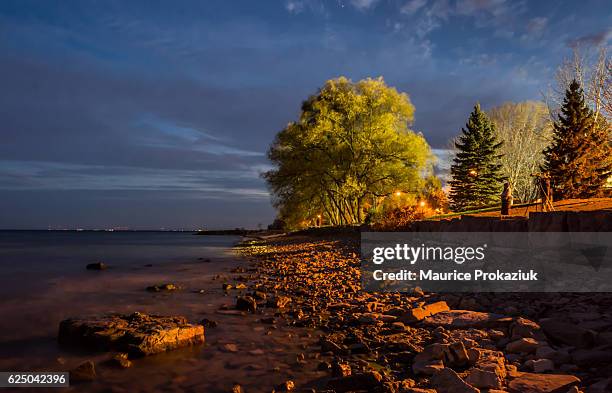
(154, 114)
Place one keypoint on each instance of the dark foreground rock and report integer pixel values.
(136, 334)
(96, 266)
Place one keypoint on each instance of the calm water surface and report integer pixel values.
(43, 280)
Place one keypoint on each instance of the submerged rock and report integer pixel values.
(137, 334)
(96, 266)
(169, 287)
(84, 372)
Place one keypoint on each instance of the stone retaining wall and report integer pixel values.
(559, 221)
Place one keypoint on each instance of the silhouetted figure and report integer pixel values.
(506, 199)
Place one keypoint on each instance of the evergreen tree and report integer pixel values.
(579, 159)
(477, 179)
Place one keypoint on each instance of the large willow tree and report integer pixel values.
(350, 148)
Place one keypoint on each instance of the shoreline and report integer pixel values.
(419, 342)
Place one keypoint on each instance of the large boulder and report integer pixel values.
(568, 333)
(542, 383)
(137, 334)
(463, 319)
(448, 381)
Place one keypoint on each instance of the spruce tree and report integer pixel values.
(476, 171)
(579, 159)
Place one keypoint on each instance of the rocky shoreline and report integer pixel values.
(424, 342)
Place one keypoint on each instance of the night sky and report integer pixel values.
(158, 114)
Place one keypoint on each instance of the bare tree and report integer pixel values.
(592, 68)
(526, 129)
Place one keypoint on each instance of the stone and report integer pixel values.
(169, 287)
(524, 328)
(286, 386)
(96, 266)
(542, 365)
(237, 388)
(483, 379)
(465, 319)
(567, 333)
(429, 367)
(592, 357)
(208, 323)
(341, 369)
(226, 286)
(457, 355)
(419, 313)
(136, 334)
(85, 372)
(545, 352)
(448, 381)
(542, 383)
(278, 302)
(246, 303)
(119, 360)
(523, 345)
(367, 381)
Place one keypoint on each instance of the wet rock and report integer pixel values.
(341, 369)
(286, 386)
(85, 372)
(169, 287)
(448, 381)
(96, 266)
(246, 303)
(523, 345)
(119, 360)
(542, 383)
(208, 323)
(278, 302)
(137, 334)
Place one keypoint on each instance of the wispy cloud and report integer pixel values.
(363, 5)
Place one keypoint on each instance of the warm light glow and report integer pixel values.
(473, 172)
(422, 203)
(318, 216)
(398, 193)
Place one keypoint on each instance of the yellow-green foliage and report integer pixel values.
(350, 147)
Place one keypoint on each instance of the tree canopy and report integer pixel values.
(476, 169)
(350, 147)
(579, 160)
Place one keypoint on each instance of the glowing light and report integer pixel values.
(398, 193)
(422, 204)
(473, 172)
(318, 216)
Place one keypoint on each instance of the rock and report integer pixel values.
(230, 347)
(567, 333)
(420, 313)
(137, 334)
(542, 383)
(429, 367)
(278, 302)
(524, 328)
(484, 379)
(465, 319)
(592, 357)
(96, 266)
(237, 388)
(341, 369)
(545, 352)
(541, 365)
(208, 323)
(457, 355)
(367, 381)
(169, 287)
(523, 345)
(241, 286)
(286, 386)
(120, 360)
(226, 286)
(603, 386)
(246, 303)
(84, 372)
(448, 381)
